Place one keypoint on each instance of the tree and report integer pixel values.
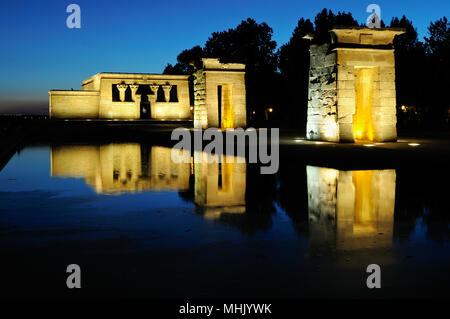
(437, 46)
(438, 43)
(293, 63)
(409, 80)
(250, 43)
(174, 69)
(185, 58)
(327, 20)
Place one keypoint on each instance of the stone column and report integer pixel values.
(167, 88)
(122, 88)
(154, 88)
(134, 88)
(152, 99)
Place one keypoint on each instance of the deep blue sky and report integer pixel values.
(38, 52)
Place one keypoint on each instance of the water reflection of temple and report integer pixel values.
(220, 185)
(351, 210)
(117, 168)
(121, 168)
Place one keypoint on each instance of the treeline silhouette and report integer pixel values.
(277, 79)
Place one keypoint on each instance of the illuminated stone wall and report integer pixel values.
(119, 96)
(352, 87)
(74, 104)
(121, 168)
(351, 210)
(129, 95)
(231, 79)
(322, 98)
(179, 108)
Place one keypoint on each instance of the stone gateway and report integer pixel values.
(352, 86)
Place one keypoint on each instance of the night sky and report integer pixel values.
(39, 52)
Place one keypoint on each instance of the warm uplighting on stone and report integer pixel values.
(121, 96)
(219, 187)
(362, 119)
(219, 95)
(351, 209)
(352, 86)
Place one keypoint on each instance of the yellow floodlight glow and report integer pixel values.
(228, 111)
(362, 119)
(330, 130)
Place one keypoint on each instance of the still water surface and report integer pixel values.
(140, 225)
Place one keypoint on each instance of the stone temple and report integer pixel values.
(218, 96)
(352, 86)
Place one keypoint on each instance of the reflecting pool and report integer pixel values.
(142, 225)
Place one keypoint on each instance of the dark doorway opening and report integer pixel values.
(145, 110)
(144, 91)
(220, 176)
(219, 103)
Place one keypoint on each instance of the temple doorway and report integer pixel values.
(145, 110)
(363, 128)
(225, 103)
(144, 91)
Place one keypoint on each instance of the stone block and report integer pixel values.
(387, 93)
(387, 101)
(346, 110)
(345, 94)
(346, 132)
